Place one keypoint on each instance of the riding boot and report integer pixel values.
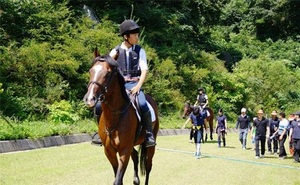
(146, 119)
(224, 142)
(96, 139)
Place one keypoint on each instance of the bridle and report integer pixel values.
(101, 95)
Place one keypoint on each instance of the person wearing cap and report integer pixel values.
(295, 136)
(221, 127)
(132, 64)
(197, 118)
(282, 134)
(274, 123)
(261, 124)
(243, 124)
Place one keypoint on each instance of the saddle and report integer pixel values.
(135, 103)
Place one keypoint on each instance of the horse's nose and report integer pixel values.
(89, 100)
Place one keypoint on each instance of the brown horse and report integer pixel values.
(210, 119)
(119, 126)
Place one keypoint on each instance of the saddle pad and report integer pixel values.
(153, 117)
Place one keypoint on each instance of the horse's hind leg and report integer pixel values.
(150, 154)
(135, 159)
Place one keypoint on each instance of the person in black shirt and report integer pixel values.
(243, 123)
(261, 124)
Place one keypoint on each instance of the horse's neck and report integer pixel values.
(115, 103)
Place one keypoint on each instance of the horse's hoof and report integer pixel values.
(136, 181)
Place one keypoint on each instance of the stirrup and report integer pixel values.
(150, 143)
(96, 140)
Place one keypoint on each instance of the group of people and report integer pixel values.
(273, 132)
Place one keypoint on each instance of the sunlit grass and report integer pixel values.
(173, 163)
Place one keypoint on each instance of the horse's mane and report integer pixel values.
(122, 85)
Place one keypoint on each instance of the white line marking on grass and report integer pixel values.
(231, 159)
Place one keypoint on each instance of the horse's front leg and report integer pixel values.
(112, 157)
(135, 159)
(122, 166)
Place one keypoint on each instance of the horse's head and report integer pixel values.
(186, 110)
(102, 73)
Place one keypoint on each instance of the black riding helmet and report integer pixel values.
(200, 89)
(129, 27)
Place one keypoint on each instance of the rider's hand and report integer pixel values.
(135, 89)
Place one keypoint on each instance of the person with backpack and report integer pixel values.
(243, 124)
(132, 64)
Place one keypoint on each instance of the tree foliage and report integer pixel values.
(244, 53)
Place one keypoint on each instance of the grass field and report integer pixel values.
(173, 164)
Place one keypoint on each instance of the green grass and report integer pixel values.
(173, 164)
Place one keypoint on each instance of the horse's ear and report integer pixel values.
(96, 52)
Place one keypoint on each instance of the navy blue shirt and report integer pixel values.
(221, 121)
(296, 129)
(198, 120)
(273, 123)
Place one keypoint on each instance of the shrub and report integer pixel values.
(62, 111)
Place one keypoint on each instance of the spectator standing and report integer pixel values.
(282, 134)
(261, 124)
(274, 123)
(295, 136)
(243, 123)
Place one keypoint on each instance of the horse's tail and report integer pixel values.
(143, 158)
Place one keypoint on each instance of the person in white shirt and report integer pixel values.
(282, 134)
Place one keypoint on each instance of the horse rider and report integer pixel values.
(132, 63)
(202, 100)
